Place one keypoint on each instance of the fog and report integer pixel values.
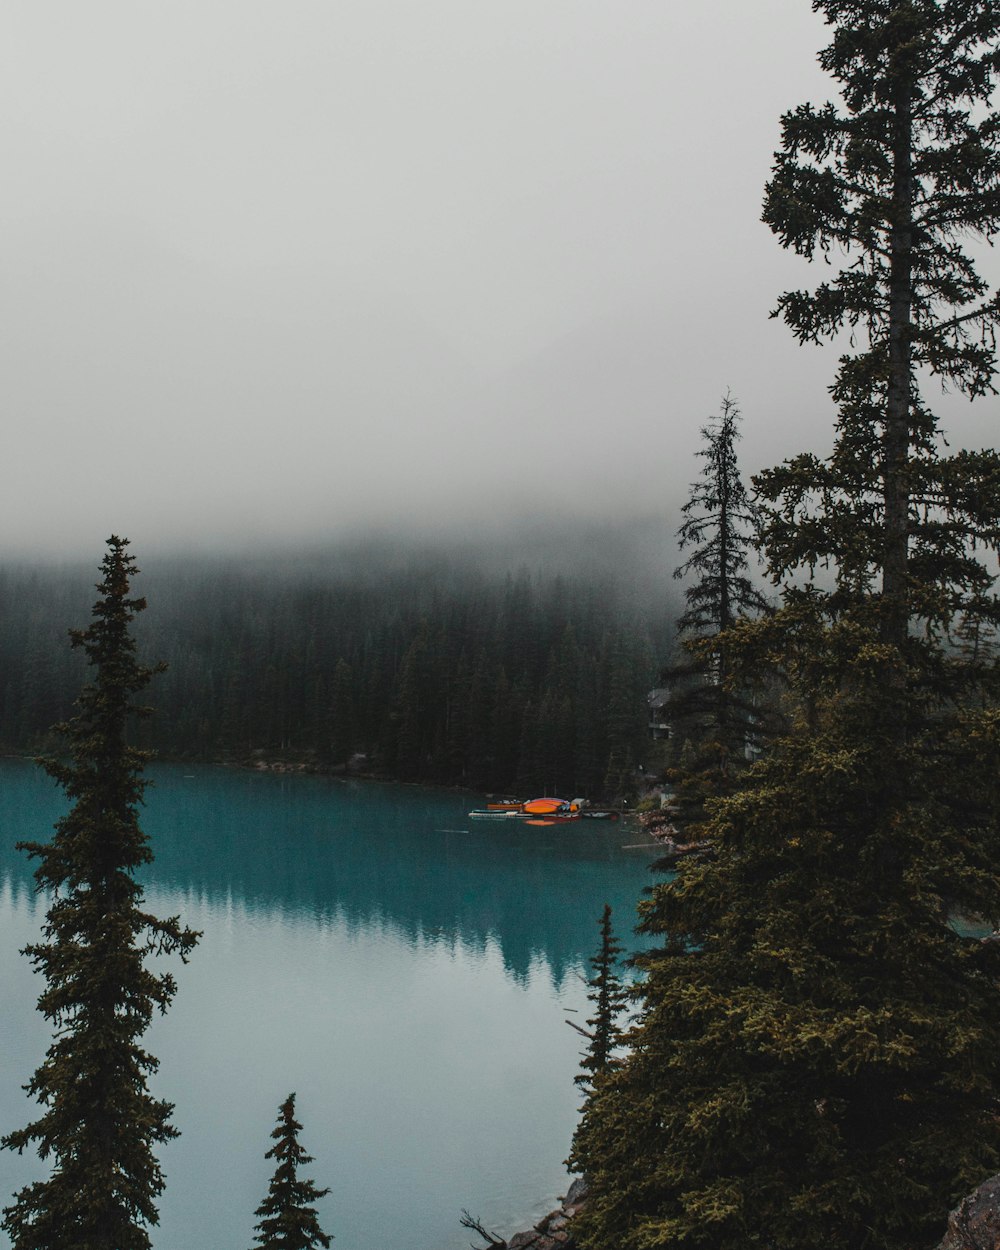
(276, 275)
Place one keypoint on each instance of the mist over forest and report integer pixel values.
(521, 661)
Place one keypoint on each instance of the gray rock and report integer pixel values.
(576, 1193)
(521, 1241)
(975, 1222)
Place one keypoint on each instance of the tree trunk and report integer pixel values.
(896, 438)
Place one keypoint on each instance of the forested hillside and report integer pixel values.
(433, 669)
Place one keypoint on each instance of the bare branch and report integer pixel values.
(470, 1221)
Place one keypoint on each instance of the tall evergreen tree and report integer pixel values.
(343, 718)
(719, 523)
(816, 1060)
(706, 706)
(895, 181)
(288, 1220)
(627, 666)
(98, 1123)
(609, 996)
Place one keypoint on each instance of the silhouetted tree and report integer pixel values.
(609, 995)
(894, 180)
(288, 1220)
(719, 523)
(99, 1123)
(707, 705)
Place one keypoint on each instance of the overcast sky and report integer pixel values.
(278, 271)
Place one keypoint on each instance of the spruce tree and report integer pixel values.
(98, 1122)
(706, 705)
(343, 718)
(609, 996)
(816, 1062)
(288, 1220)
(719, 523)
(894, 181)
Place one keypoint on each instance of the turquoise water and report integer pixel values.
(407, 972)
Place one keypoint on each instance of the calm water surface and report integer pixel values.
(407, 972)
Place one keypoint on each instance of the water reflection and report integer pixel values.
(407, 974)
(370, 853)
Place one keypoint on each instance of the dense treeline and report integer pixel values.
(435, 672)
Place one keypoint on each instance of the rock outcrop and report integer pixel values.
(659, 825)
(975, 1222)
(552, 1231)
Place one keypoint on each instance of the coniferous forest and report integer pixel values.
(430, 669)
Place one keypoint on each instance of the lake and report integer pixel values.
(407, 972)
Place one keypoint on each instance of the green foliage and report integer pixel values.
(288, 1220)
(719, 716)
(815, 1064)
(98, 1122)
(609, 997)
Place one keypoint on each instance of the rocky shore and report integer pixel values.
(550, 1233)
(973, 1225)
(975, 1222)
(659, 824)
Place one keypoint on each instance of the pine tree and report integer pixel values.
(895, 182)
(816, 1061)
(706, 706)
(343, 718)
(99, 1123)
(719, 521)
(288, 1221)
(609, 997)
(626, 667)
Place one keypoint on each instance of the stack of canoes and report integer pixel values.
(548, 811)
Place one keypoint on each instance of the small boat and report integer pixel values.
(543, 811)
(551, 807)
